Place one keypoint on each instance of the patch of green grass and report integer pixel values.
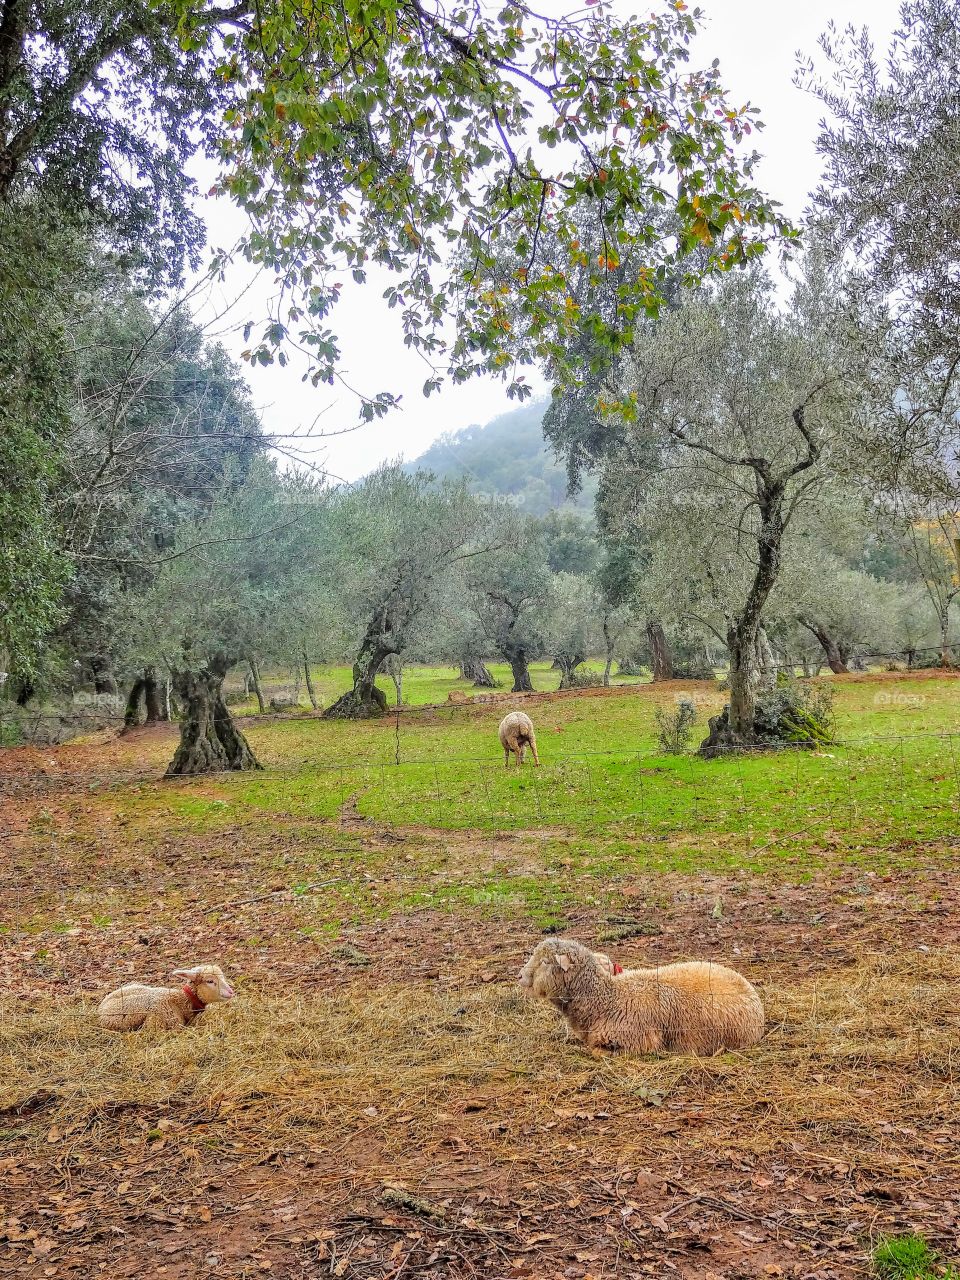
(422, 685)
(875, 797)
(909, 1257)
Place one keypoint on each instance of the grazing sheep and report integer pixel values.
(699, 1007)
(164, 1008)
(516, 734)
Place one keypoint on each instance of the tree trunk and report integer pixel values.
(568, 663)
(734, 727)
(521, 672)
(144, 688)
(131, 716)
(475, 669)
(609, 641)
(257, 683)
(661, 664)
(365, 700)
(835, 658)
(151, 696)
(210, 741)
(311, 691)
(104, 680)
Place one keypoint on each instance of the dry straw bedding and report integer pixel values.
(855, 1060)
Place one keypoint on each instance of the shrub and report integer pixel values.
(281, 704)
(586, 680)
(693, 667)
(801, 714)
(631, 665)
(675, 727)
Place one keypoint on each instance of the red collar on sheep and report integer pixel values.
(192, 996)
(617, 968)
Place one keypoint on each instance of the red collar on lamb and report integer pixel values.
(617, 968)
(192, 996)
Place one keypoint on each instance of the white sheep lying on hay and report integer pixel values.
(164, 1008)
(516, 734)
(698, 1007)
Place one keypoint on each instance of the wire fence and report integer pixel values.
(20, 726)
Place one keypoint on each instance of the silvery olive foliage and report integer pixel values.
(891, 144)
(889, 205)
(734, 417)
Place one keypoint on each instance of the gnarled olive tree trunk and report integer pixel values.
(152, 699)
(836, 658)
(210, 741)
(517, 657)
(146, 689)
(365, 701)
(734, 727)
(475, 669)
(661, 663)
(568, 663)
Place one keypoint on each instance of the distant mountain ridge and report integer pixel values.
(508, 458)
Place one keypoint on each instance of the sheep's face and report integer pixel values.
(548, 971)
(208, 981)
(604, 963)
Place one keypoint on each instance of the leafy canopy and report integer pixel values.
(454, 147)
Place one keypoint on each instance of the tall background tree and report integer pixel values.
(398, 539)
(739, 413)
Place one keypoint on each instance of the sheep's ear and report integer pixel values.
(563, 961)
(185, 973)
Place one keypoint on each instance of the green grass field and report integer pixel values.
(422, 685)
(893, 776)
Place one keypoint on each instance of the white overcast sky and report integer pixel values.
(756, 42)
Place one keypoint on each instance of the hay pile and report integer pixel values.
(854, 1056)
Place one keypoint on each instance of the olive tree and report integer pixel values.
(223, 589)
(509, 592)
(889, 207)
(747, 408)
(891, 150)
(933, 546)
(572, 623)
(397, 537)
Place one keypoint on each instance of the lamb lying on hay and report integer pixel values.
(516, 734)
(164, 1008)
(698, 1007)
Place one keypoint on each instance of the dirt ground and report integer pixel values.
(379, 1102)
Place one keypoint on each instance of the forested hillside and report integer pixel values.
(508, 458)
